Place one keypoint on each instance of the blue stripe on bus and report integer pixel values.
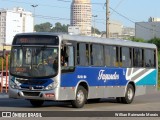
(98, 76)
(102, 76)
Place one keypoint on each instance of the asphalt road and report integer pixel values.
(149, 102)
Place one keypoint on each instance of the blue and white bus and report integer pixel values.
(61, 67)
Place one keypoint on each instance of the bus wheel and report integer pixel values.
(37, 103)
(129, 96)
(81, 97)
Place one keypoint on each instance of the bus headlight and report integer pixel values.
(51, 86)
(13, 84)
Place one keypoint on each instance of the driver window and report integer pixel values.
(67, 58)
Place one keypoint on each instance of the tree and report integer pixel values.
(137, 39)
(60, 28)
(44, 27)
(96, 31)
(155, 41)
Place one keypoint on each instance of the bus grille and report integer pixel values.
(31, 93)
(31, 82)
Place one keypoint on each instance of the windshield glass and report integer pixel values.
(33, 62)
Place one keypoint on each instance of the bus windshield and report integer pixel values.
(39, 61)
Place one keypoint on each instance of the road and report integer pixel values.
(141, 103)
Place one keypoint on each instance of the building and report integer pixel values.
(148, 30)
(14, 21)
(128, 32)
(153, 19)
(73, 30)
(117, 30)
(81, 16)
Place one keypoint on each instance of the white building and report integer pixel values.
(73, 30)
(115, 29)
(147, 30)
(128, 32)
(81, 16)
(153, 19)
(14, 21)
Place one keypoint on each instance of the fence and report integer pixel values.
(4, 78)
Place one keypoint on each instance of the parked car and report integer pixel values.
(4, 78)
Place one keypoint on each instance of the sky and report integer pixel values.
(125, 11)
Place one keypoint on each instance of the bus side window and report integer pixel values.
(114, 56)
(149, 56)
(126, 57)
(97, 55)
(137, 57)
(82, 54)
(70, 52)
(107, 52)
(67, 56)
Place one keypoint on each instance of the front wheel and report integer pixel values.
(37, 103)
(129, 96)
(81, 97)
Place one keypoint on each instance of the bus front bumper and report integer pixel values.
(32, 94)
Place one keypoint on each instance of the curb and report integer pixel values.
(3, 95)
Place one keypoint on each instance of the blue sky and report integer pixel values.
(58, 11)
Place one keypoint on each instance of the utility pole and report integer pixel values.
(107, 18)
(94, 16)
(34, 6)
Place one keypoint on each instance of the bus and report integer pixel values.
(60, 67)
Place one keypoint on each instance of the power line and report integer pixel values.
(67, 1)
(117, 5)
(29, 3)
(133, 21)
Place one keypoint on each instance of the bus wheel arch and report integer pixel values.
(81, 95)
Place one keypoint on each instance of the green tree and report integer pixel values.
(96, 31)
(44, 27)
(155, 41)
(60, 28)
(137, 39)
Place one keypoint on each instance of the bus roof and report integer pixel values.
(89, 39)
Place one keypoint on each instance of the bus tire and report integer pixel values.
(81, 97)
(129, 95)
(37, 103)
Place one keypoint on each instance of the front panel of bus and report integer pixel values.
(34, 67)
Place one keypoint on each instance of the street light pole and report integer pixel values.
(34, 6)
(94, 16)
